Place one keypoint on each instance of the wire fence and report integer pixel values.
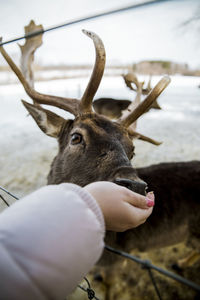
(138, 4)
(146, 265)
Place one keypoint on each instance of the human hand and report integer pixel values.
(122, 208)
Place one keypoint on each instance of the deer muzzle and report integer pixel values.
(139, 187)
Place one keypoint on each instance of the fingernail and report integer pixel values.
(150, 202)
(150, 199)
(150, 195)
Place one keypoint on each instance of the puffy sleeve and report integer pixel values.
(49, 240)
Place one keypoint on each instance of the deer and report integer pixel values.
(91, 147)
(88, 136)
(113, 108)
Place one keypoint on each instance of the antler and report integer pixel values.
(86, 101)
(28, 50)
(72, 105)
(130, 78)
(146, 91)
(127, 120)
(69, 104)
(139, 136)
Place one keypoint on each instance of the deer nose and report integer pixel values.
(139, 187)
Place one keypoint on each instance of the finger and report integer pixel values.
(140, 200)
(145, 213)
(139, 216)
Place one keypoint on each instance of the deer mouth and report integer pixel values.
(127, 177)
(139, 187)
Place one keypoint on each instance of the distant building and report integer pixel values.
(156, 67)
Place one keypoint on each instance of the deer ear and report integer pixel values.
(109, 107)
(49, 122)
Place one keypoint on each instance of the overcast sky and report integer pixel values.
(144, 33)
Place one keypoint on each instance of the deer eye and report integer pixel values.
(76, 138)
(132, 155)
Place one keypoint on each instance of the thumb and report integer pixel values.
(141, 201)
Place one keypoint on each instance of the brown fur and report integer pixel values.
(110, 107)
(176, 215)
(103, 154)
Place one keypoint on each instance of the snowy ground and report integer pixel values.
(26, 153)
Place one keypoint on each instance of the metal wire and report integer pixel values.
(86, 18)
(3, 189)
(4, 200)
(154, 283)
(90, 292)
(148, 265)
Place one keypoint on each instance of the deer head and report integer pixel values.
(91, 147)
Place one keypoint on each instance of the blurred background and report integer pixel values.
(153, 32)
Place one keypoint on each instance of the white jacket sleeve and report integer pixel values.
(49, 240)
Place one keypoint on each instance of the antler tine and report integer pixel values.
(28, 51)
(142, 137)
(86, 100)
(149, 84)
(130, 78)
(69, 104)
(143, 106)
